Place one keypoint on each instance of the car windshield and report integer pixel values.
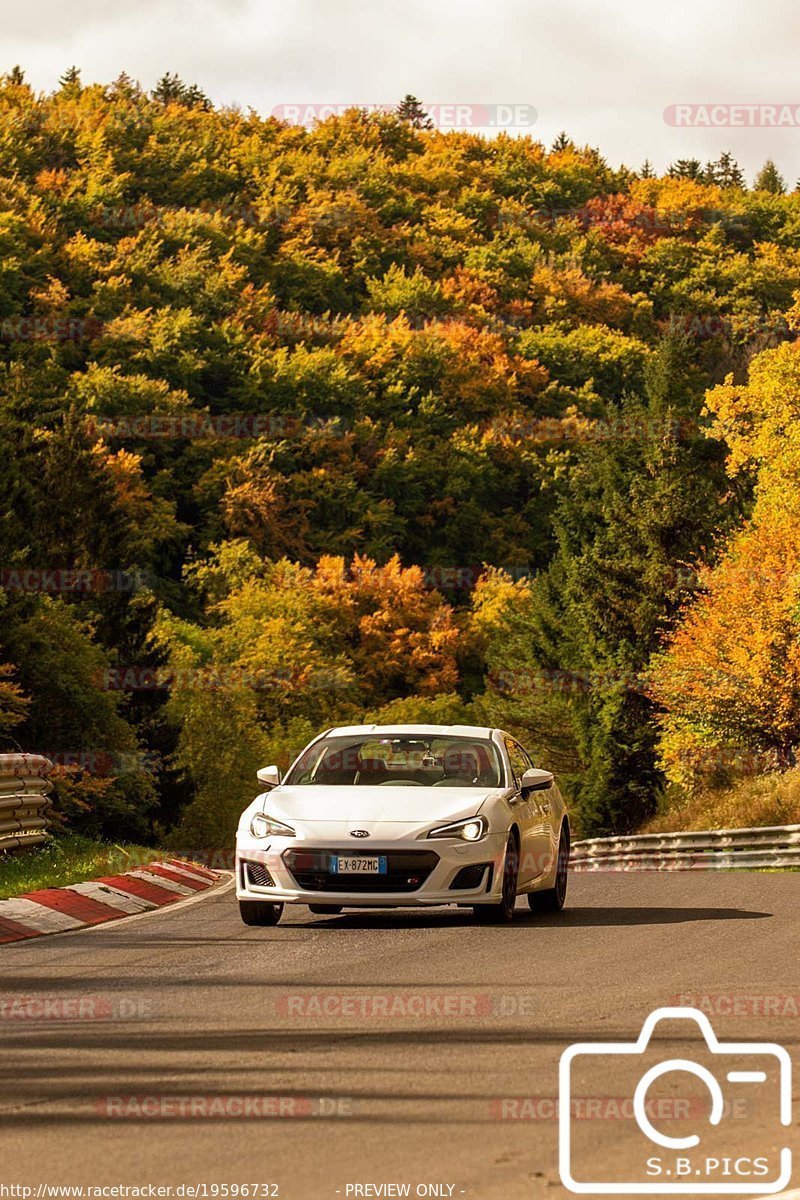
(399, 760)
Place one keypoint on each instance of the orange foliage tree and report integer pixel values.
(729, 679)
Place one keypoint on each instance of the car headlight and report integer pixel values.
(471, 829)
(263, 826)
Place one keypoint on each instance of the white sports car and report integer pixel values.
(374, 816)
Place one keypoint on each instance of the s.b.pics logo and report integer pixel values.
(706, 1120)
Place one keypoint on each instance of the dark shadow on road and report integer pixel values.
(281, 1039)
(643, 915)
(525, 920)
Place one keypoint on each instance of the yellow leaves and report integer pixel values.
(771, 256)
(494, 596)
(467, 288)
(760, 421)
(793, 314)
(482, 362)
(133, 327)
(441, 166)
(730, 675)
(677, 197)
(445, 221)
(85, 255)
(52, 297)
(53, 180)
(126, 470)
(474, 370)
(340, 629)
(568, 293)
(401, 625)
(729, 679)
(375, 341)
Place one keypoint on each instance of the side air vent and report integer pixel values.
(469, 878)
(259, 876)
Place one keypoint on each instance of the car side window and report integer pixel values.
(518, 759)
(526, 757)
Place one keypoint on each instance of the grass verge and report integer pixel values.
(70, 858)
(763, 800)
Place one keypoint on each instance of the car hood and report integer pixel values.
(387, 805)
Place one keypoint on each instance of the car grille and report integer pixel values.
(259, 876)
(407, 870)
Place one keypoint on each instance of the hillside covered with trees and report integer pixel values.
(302, 427)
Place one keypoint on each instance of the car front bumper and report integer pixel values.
(421, 871)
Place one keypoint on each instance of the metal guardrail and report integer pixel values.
(24, 787)
(776, 846)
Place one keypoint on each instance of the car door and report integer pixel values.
(534, 810)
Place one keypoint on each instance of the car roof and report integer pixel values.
(475, 731)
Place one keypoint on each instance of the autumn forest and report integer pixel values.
(301, 427)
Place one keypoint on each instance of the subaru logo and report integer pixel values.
(359, 833)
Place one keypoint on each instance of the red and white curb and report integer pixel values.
(56, 910)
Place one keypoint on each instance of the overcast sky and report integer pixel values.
(605, 72)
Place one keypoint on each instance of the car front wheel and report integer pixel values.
(552, 899)
(502, 913)
(259, 912)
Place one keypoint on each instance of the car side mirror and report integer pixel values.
(535, 780)
(269, 776)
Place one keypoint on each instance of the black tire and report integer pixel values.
(259, 912)
(503, 912)
(551, 900)
(325, 910)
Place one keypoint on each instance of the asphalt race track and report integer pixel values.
(417, 1085)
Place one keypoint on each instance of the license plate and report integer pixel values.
(339, 865)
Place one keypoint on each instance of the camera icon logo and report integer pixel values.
(718, 1103)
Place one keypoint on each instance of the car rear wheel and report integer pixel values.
(502, 913)
(325, 910)
(552, 899)
(259, 912)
